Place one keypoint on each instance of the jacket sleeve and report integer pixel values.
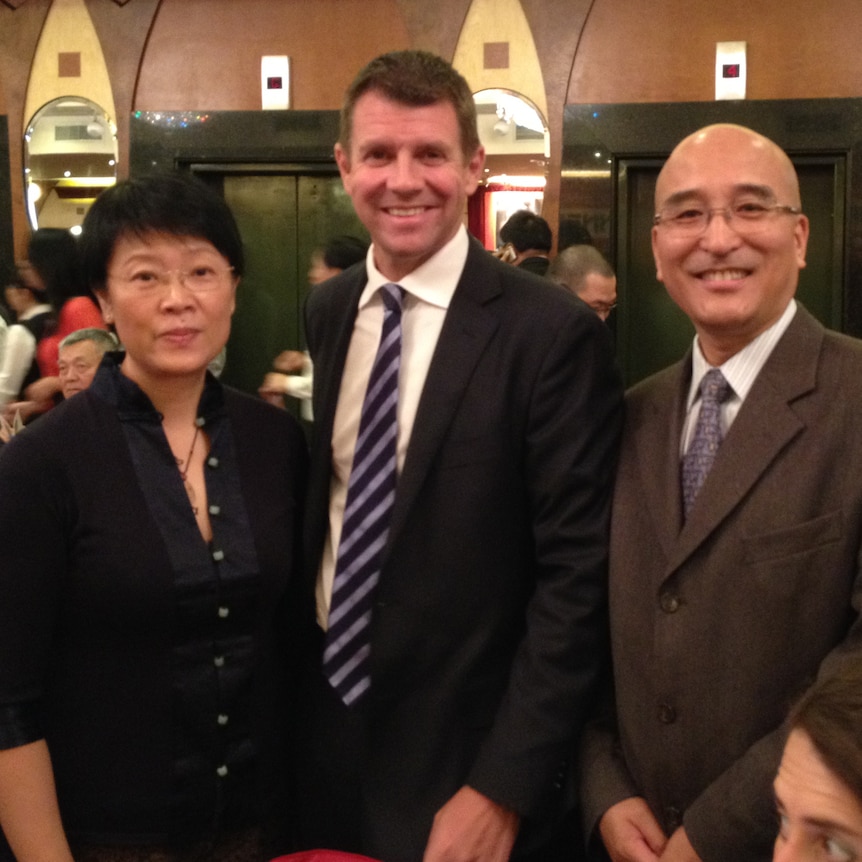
(570, 446)
(33, 513)
(734, 817)
(603, 776)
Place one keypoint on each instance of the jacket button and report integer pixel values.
(673, 817)
(669, 603)
(666, 713)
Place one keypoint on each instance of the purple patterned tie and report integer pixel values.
(370, 495)
(699, 458)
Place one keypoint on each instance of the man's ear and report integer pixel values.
(654, 254)
(800, 236)
(342, 159)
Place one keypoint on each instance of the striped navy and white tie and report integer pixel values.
(370, 496)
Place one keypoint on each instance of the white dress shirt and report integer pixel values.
(740, 371)
(18, 355)
(428, 292)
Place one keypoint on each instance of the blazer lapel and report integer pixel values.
(765, 425)
(657, 437)
(470, 322)
(329, 334)
(330, 352)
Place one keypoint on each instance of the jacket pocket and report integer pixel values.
(798, 539)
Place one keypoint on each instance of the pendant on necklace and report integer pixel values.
(192, 497)
(184, 473)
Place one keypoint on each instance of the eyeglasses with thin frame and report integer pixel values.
(745, 217)
(602, 307)
(199, 279)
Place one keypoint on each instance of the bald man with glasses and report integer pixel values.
(737, 521)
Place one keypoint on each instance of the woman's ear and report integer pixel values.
(104, 300)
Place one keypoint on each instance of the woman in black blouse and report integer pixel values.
(148, 529)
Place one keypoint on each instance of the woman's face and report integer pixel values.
(19, 299)
(170, 299)
(820, 817)
(30, 277)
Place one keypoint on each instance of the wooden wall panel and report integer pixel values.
(19, 35)
(557, 27)
(205, 54)
(664, 50)
(435, 25)
(123, 32)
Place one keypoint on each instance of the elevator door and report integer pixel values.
(283, 217)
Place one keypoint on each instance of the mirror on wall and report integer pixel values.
(70, 155)
(517, 149)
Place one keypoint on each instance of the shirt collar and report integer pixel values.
(434, 281)
(42, 308)
(742, 368)
(133, 404)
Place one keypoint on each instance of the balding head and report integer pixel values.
(728, 142)
(585, 272)
(729, 238)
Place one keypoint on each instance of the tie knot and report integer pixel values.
(392, 295)
(714, 387)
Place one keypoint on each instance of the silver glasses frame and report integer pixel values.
(698, 226)
(163, 279)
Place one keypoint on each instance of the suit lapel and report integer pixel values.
(656, 436)
(329, 331)
(470, 322)
(331, 343)
(765, 425)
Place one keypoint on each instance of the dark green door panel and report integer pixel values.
(283, 218)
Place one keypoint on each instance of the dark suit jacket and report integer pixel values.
(489, 623)
(718, 625)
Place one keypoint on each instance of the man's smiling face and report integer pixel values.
(408, 177)
(732, 281)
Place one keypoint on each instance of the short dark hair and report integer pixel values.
(526, 230)
(177, 204)
(829, 715)
(415, 78)
(344, 250)
(573, 264)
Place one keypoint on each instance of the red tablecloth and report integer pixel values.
(323, 856)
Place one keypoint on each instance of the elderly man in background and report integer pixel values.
(737, 520)
(585, 272)
(79, 356)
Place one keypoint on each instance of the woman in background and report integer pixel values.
(148, 528)
(53, 267)
(18, 367)
(818, 789)
(53, 254)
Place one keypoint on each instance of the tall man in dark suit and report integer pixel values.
(737, 520)
(487, 625)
